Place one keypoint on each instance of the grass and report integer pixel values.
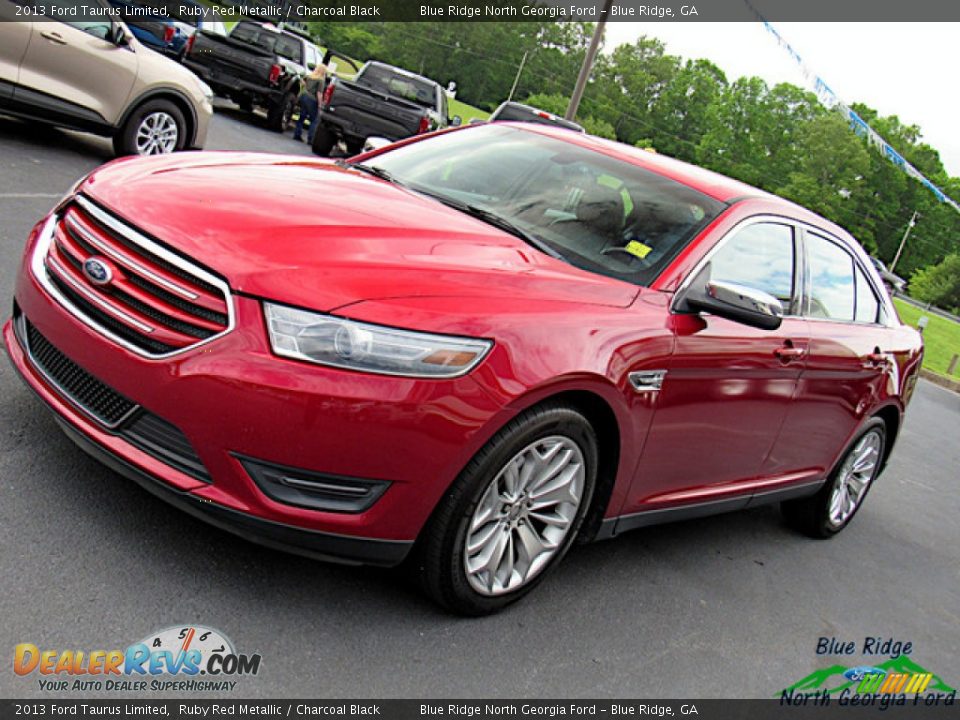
(466, 112)
(941, 339)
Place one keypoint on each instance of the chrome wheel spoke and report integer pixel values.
(854, 478)
(524, 515)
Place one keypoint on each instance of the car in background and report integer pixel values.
(893, 282)
(191, 16)
(97, 77)
(255, 65)
(518, 112)
(477, 346)
(153, 30)
(381, 101)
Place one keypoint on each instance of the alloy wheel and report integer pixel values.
(524, 515)
(157, 134)
(854, 478)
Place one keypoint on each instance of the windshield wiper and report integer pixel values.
(377, 172)
(491, 218)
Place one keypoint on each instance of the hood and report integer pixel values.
(313, 234)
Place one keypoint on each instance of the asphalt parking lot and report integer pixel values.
(729, 606)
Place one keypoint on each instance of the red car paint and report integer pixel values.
(734, 420)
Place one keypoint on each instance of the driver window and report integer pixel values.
(760, 256)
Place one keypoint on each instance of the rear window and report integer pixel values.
(390, 82)
(285, 46)
(522, 114)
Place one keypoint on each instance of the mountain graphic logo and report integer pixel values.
(837, 678)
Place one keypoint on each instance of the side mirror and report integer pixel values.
(733, 301)
(456, 121)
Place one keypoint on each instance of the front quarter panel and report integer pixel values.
(546, 349)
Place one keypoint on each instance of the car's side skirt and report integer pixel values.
(611, 527)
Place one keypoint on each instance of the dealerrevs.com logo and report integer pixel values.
(190, 658)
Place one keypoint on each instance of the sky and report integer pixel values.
(904, 69)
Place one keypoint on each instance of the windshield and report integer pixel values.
(598, 213)
(283, 45)
(390, 82)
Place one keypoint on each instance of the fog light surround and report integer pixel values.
(313, 490)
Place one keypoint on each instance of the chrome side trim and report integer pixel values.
(42, 249)
(644, 381)
(21, 333)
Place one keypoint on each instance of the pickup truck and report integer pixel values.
(257, 64)
(382, 101)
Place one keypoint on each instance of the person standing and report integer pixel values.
(310, 102)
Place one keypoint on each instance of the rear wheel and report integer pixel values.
(280, 116)
(155, 128)
(829, 511)
(512, 514)
(323, 141)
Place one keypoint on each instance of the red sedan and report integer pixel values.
(467, 350)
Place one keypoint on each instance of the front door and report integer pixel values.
(728, 386)
(73, 70)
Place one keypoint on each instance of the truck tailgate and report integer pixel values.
(226, 59)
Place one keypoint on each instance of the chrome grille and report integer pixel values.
(153, 301)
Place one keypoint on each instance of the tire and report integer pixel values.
(279, 117)
(829, 511)
(517, 459)
(323, 141)
(156, 127)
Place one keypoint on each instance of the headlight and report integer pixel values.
(342, 343)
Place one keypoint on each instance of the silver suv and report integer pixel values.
(95, 76)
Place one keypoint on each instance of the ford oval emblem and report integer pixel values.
(97, 271)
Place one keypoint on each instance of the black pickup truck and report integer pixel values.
(256, 64)
(381, 101)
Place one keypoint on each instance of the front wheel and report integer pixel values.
(155, 128)
(513, 512)
(829, 511)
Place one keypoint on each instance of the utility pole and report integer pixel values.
(903, 241)
(587, 66)
(517, 78)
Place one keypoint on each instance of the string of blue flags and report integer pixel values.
(829, 98)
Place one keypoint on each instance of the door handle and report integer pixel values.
(53, 37)
(876, 359)
(789, 353)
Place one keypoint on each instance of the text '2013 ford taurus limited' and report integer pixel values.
(467, 350)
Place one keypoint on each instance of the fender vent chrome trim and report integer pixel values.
(645, 381)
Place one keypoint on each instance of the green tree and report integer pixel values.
(830, 166)
(939, 284)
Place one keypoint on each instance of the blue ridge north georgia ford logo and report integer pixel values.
(97, 270)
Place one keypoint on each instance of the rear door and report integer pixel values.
(728, 387)
(848, 362)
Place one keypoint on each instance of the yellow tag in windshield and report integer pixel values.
(638, 248)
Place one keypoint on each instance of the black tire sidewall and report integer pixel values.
(451, 586)
(323, 141)
(125, 141)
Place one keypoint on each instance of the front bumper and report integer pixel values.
(233, 399)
